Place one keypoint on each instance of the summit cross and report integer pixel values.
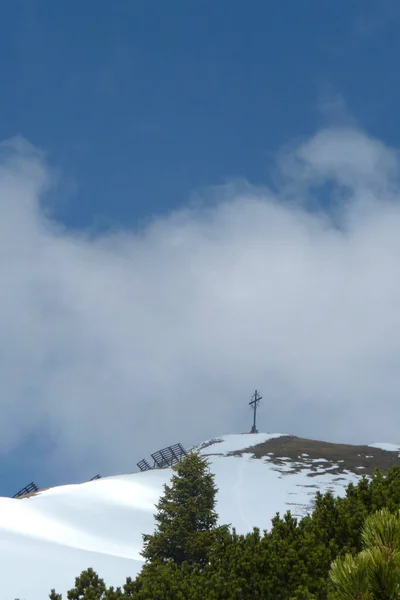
(254, 402)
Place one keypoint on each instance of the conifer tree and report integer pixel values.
(189, 558)
(89, 586)
(186, 521)
(374, 573)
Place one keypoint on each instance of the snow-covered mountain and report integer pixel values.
(46, 540)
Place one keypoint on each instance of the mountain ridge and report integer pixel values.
(100, 523)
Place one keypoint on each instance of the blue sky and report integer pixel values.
(131, 108)
(141, 103)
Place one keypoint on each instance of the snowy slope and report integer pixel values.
(385, 446)
(51, 537)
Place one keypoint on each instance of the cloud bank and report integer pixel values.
(116, 344)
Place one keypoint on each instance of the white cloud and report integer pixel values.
(125, 342)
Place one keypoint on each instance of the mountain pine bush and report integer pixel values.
(375, 571)
(190, 557)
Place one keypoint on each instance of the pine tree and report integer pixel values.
(186, 522)
(88, 586)
(375, 571)
(189, 557)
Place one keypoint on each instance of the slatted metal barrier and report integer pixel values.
(143, 465)
(166, 457)
(31, 487)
